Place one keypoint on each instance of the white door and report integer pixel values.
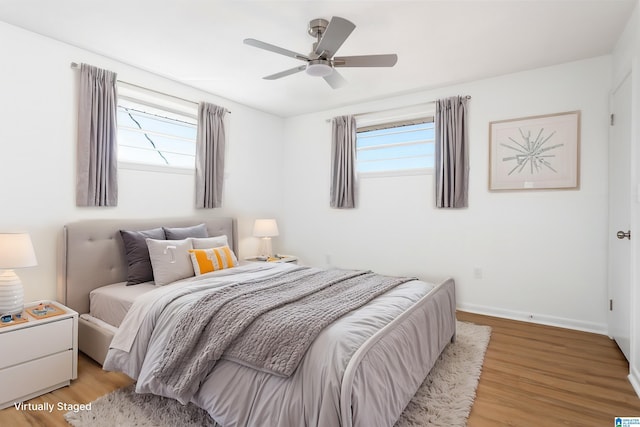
(620, 218)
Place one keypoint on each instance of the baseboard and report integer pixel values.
(634, 379)
(598, 328)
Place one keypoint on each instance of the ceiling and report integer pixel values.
(199, 42)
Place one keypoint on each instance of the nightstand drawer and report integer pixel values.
(41, 339)
(29, 379)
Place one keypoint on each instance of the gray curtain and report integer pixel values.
(343, 162)
(97, 162)
(210, 156)
(451, 153)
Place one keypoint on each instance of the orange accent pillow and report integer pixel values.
(208, 260)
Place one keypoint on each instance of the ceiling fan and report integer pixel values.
(330, 35)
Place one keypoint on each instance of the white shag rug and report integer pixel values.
(443, 400)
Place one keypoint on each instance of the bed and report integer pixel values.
(360, 370)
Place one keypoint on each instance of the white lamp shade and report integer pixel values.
(16, 251)
(265, 228)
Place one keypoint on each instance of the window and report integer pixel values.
(155, 136)
(396, 147)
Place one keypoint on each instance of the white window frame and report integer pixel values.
(162, 102)
(397, 118)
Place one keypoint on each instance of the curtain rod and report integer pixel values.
(76, 66)
(397, 108)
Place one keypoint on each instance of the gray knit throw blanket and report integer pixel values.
(267, 324)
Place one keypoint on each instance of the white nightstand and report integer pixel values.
(38, 356)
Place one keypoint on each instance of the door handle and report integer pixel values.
(621, 235)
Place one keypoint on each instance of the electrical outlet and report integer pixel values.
(477, 273)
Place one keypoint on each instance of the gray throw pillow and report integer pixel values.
(137, 254)
(181, 233)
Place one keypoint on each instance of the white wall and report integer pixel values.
(626, 59)
(541, 253)
(37, 154)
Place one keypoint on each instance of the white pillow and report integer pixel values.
(170, 260)
(209, 242)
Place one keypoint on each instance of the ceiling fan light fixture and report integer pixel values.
(319, 68)
(320, 62)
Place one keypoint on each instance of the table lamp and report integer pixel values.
(16, 251)
(265, 229)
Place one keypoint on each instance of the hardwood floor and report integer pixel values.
(92, 382)
(533, 375)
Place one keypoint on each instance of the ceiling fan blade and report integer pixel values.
(285, 73)
(276, 49)
(366, 61)
(336, 33)
(335, 79)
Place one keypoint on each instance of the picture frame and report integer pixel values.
(535, 153)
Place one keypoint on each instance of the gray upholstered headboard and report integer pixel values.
(92, 253)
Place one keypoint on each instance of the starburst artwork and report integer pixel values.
(533, 154)
(538, 152)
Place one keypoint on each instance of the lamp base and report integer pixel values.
(265, 247)
(11, 293)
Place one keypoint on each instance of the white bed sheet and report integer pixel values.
(112, 302)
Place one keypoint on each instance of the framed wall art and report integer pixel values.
(539, 152)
